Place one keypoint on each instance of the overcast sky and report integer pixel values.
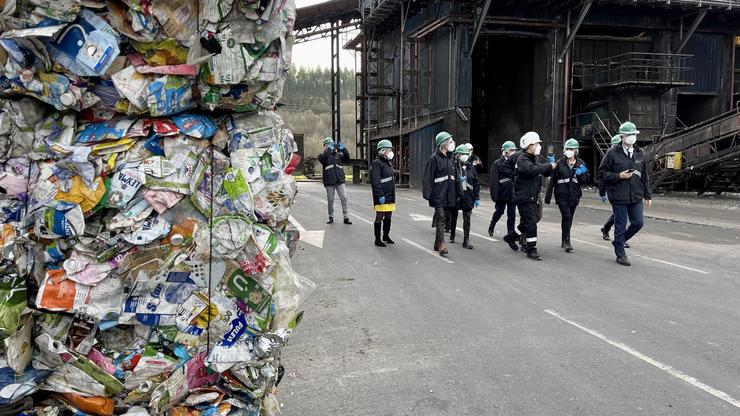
(318, 52)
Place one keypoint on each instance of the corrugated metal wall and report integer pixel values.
(440, 76)
(421, 144)
(707, 63)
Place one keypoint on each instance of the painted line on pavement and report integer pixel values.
(664, 367)
(365, 220)
(668, 263)
(430, 252)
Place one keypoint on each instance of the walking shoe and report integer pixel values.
(443, 249)
(568, 247)
(626, 245)
(511, 241)
(452, 239)
(533, 254)
(605, 234)
(347, 221)
(331, 220)
(466, 244)
(624, 261)
(490, 230)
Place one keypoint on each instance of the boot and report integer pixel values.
(490, 230)
(532, 253)
(511, 241)
(387, 230)
(452, 236)
(605, 234)
(331, 220)
(436, 246)
(466, 244)
(443, 249)
(378, 242)
(568, 247)
(562, 242)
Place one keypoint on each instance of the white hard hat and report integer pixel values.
(529, 139)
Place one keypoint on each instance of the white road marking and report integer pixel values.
(314, 238)
(664, 367)
(668, 263)
(420, 217)
(361, 218)
(408, 199)
(691, 269)
(430, 252)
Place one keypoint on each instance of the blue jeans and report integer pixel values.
(622, 234)
(510, 215)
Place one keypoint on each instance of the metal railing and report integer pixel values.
(634, 68)
(597, 129)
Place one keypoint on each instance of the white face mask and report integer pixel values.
(464, 158)
(630, 140)
(570, 154)
(451, 147)
(389, 155)
(537, 149)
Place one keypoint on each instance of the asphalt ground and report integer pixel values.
(402, 331)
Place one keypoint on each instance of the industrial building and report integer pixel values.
(488, 71)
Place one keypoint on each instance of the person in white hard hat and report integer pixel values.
(527, 184)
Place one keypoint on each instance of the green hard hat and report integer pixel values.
(442, 137)
(328, 140)
(628, 128)
(463, 149)
(385, 144)
(509, 145)
(616, 139)
(572, 144)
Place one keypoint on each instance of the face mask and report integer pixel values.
(630, 140)
(451, 147)
(537, 149)
(570, 154)
(389, 155)
(464, 158)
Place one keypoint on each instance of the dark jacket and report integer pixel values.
(466, 197)
(565, 184)
(502, 179)
(625, 191)
(602, 185)
(332, 162)
(476, 163)
(382, 180)
(439, 182)
(528, 178)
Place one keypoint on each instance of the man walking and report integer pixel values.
(625, 174)
(502, 193)
(332, 160)
(440, 187)
(527, 184)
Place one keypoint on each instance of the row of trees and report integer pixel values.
(311, 87)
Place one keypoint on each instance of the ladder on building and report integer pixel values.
(593, 126)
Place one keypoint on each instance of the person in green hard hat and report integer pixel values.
(569, 176)
(332, 160)
(382, 181)
(624, 172)
(616, 140)
(502, 193)
(468, 194)
(439, 187)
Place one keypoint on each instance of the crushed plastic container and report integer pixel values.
(145, 191)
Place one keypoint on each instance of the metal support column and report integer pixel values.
(478, 26)
(336, 84)
(692, 29)
(572, 35)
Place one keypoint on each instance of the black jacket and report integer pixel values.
(382, 180)
(466, 197)
(625, 191)
(528, 178)
(439, 182)
(476, 163)
(332, 162)
(502, 179)
(565, 184)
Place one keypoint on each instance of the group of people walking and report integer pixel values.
(517, 180)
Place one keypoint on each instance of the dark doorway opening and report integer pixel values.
(508, 92)
(692, 109)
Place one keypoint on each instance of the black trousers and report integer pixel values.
(566, 212)
(439, 221)
(510, 209)
(466, 223)
(609, 224)
(528, 218)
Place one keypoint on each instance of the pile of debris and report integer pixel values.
(145, 192)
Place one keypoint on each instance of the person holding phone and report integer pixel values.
(624, 172)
